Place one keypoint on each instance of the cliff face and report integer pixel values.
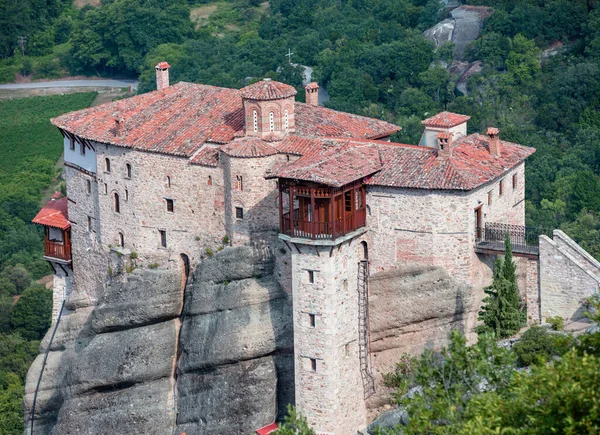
(158, 355)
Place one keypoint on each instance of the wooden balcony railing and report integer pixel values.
(322, 230)
(57, 250)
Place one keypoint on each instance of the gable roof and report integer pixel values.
(54, 214)
(445, 120)
(179, 119)
(400, 165)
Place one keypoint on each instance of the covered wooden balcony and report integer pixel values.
(54, 217)
(315, 211)
(57, 244)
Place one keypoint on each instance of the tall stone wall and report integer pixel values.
(568, 275)
(329, 390)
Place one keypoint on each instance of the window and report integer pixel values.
(285, 118)
(127, 170)
(107, 165)
(490, 197)
(514, 181)
(501, 188)
(82, 149)
(239, 213)
(121, 240)
(287, 157)
(168, 181)
(105, 189)
(347, 349)
(312, 320)
(239, 183)
(209, 182)
(163, 238)
(311, 276)
(271, 121)
(72, 144)
(255, 115)
(345, 285)
(89, 223)
(88, 186)
(313, 364)
(117, 204)
(126, 195)
(170, 205)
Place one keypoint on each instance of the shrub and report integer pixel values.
(133, 255)
(226, 239)
(153, 266)
(537, 346)
(557, 323)
(209, 252)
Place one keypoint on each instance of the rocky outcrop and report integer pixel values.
(463, 26)
(153, 354)
(414, 308)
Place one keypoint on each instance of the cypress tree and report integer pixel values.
(501, 313)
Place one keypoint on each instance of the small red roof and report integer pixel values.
(445, 120)
(248, 147)
(444, 135)
(271, 428)
(267, 89)
(162, 65)
(312, 85)
(54, 214)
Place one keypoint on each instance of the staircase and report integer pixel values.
(363, 329)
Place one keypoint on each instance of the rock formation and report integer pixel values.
(156, 355)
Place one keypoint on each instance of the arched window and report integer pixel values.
(117, 203)
(239, 183)
(209, 182)
(107, 164)
(271, 121)
(255, 115)
(127, 170)
(285, 119)
(168, 181)
(121, 240)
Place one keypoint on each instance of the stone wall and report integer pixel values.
(568, 275)
(329, 390)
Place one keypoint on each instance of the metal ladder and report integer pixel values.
(363, 329)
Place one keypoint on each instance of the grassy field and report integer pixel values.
(26, 130)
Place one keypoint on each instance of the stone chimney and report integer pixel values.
(494, 141)
(444, 140)
(162, 75)
(119, 124)
(312, 93)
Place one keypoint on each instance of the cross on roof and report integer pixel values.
(289, 55)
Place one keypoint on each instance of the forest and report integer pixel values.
(539, 83)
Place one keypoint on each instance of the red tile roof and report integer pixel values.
(54, 214)
(249, 147)
(162, 65)
(267, 89)
(399, 165)
(207, 156)
(179, 119)
(312, 85)
(445, 120)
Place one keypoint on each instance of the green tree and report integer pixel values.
(11, 409)
(18, 275)
(523, 61)
(294, 423)
(501, 313)
(31, 315)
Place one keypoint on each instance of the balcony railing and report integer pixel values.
(524, 240)
(322, 230)
(57, 250)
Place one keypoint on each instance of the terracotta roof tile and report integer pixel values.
(249, 147)
(54, 214)
(268, 89)
(337, 162)
(162, 65)
(445, 120)
(312, 85)
(179, 119)
(207, 156)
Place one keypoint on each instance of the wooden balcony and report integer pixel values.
(57, 251)
(320, 212)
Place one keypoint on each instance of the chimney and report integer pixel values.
(119, 124)
(162, 75)
(312, 93)
(494, 141)
(444, 140)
